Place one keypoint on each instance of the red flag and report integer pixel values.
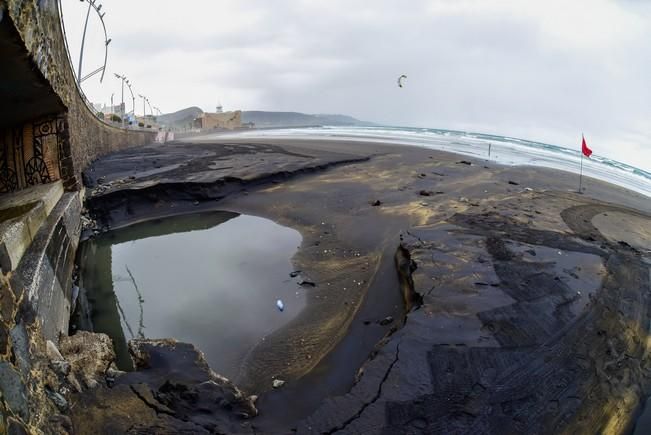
(584, 148)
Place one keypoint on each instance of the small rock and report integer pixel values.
(58, 400)
(514, 183)
(196, 202)
(295, 273)
(280, 305)
(367, 322)
(21, 347)
(53, 353)
(72, 380)
(114, 372)
(15, 427)
(464, 162)
(386, 321)
(463, 199)
(89, 354)
(422, 175)
(14, 391)
(307, 284)
(528, 189)
(531, 252)
(60, 424)
(376, 203)
(425, 193)
(61, 366)
(277, 383)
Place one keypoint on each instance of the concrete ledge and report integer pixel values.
(44, 275)
(21, 215)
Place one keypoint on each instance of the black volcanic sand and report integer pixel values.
(528, 304)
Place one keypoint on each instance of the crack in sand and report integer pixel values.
(372, 401)
(156, 409)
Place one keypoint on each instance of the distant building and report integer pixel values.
(120, 108)
(148, 121)
(222, 120)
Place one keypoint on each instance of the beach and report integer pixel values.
(446, 292)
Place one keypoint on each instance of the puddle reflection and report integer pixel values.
(211, 279)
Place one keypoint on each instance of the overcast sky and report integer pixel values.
(539, 70)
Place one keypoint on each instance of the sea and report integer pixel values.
(503, 149)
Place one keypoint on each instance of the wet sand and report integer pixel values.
(355, 360)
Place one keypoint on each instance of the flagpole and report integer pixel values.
(581, 173)
(581, 170)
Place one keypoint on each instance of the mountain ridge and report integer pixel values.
(264, 118)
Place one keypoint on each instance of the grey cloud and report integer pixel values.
(492, 66)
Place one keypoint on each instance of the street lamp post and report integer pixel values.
(144, 109)
(123, 78)
(133, 98)
(144, 113)
(151, 110)
(83, 41)
(107, 41)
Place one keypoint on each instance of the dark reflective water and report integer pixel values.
(643, 423)
(211, 279)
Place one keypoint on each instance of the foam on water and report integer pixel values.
(505, 150)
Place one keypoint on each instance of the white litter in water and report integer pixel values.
(280, 305)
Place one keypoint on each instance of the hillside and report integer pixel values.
(181, 118)
(295, 119)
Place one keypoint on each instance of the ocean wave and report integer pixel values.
(505, 150)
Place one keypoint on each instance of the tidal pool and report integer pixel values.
(211, 279)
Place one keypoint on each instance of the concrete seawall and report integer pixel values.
(48, 136)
